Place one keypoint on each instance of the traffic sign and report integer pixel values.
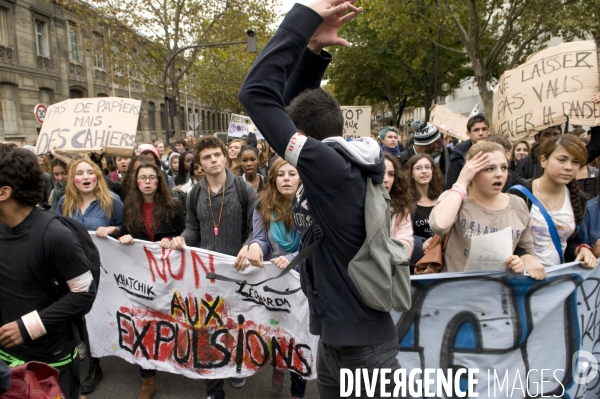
(193, 121)
(40, 113)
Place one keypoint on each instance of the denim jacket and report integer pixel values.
(589, 230)
(94, 215)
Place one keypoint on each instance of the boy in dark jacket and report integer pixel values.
(333, 174)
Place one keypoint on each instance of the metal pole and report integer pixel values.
(171, 58)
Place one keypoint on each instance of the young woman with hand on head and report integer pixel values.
(88, 201)
(276, 239)
(151, 214)
(475, 205)
(557, 191)
(249, 164)
(401, 202)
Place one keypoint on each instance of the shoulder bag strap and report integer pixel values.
(549, 221)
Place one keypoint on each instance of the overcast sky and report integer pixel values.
(288, 4)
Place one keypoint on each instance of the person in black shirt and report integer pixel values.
(34, 325)
(426, 183)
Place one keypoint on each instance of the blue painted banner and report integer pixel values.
(528, 338)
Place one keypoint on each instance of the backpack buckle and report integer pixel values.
(318, 231)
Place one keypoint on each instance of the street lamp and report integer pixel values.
(171, 107)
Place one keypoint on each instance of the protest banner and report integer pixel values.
(449, 122)
(553, 85)
(526, 337)
(156, 308)
(357, 122)
(88, 124)
(238, 125)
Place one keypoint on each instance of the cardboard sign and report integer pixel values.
(88, 124)
(357, 122)
(449, 122)
(551, 86)
(588, 186)
(238, 125)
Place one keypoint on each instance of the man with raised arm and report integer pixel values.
(333, 173)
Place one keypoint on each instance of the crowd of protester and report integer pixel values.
(238, 199)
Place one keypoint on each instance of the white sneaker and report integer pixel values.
(237, 382)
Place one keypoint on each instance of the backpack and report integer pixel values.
(379, 269)
(49, 279)
(242, 193)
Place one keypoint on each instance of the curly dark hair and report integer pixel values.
(164, 206)
(209, 142)
(401, 199)
(436, 185)
(19, 170)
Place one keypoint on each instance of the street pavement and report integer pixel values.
(122, 380)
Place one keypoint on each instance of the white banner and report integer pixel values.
(527, 337)
(156, 308)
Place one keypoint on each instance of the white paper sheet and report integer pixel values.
(489, 251)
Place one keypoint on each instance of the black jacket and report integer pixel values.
(572, 243)
(333, 188)
(457, 161)
(174, 229)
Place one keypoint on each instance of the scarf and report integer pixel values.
(59, 191)
(279, 234)
(394, 151)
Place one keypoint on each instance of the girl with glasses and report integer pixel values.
(151, 214)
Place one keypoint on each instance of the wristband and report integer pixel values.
(459, 192)
(584, 246)
(461, 187)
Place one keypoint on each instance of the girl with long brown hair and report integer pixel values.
(151, 214)
(401, 202)
(557, 191)
(88, 201)
(233, 150)
(426, 183)
(276, 239)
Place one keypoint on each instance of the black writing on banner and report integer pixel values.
(88, 124)
(552, 85)
(357, 122)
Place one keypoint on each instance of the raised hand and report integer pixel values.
(472, 167)
(334, 16)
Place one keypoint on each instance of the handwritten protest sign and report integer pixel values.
(551, 86)
(527, 338)
(156, 308)
(87, 124)
(239, 125)
(449, 122)
(357, 122)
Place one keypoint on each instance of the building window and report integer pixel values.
(98, 52)
(3, 27)
(41, 36)
(151, 117)
(46, 96)
(163, 120)
(8, 101)
(74, 50)
(74, 93)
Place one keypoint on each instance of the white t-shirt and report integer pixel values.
(564, 220)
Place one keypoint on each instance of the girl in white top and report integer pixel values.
(558, 192)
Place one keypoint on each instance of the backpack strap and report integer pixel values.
(301, 257)
(36, 257)
(242, 193)
(549, 221)
(193, 196)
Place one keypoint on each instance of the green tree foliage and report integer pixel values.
(384, 64)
